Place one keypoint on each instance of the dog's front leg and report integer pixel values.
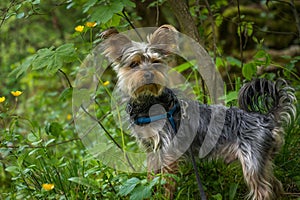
(156, 166)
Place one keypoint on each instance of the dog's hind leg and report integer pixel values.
(259, 177)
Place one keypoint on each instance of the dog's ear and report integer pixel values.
(114, 44)
(164, 38)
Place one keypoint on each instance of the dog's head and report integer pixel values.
(141, 66)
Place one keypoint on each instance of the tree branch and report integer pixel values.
(184, 17)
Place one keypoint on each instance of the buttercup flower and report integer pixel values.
(79, 28)
(91, 24)
(106, 83)
(16, 93)
(48, 186)
(2, 99)
(69, 117)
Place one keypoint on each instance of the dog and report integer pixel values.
(166, 125)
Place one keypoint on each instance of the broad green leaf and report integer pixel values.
(249, 70)
(141, 192)
(128, 186)
(233, 61)
(104, 13)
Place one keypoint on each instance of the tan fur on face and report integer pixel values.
(132, 81)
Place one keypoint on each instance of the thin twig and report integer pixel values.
(213, 29)
(157, 13)
(109, 135)
(240, 35)
(296, 15)
(131, 24)
(66, 77)
(6, 12)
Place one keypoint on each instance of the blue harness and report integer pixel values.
(167, 115)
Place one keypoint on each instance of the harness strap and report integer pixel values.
(167, 115)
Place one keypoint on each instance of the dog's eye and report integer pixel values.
(133, 64)
(156, 61)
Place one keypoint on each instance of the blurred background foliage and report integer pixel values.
(42, 48)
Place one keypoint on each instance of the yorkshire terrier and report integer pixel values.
(166, 125)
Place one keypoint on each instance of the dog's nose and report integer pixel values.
(148, 76)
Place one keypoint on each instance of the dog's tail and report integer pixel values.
(276, 99)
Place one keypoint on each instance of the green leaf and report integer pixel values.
(114, 21)
(43, 58)
(51, 60)
(260, 54)
(31, 137)
(220, 62)
(217, 196)
(66, 52)
(128, 3)
(249, 70)
(12, 169)
(128, 186)
(85, 181)
(185, 66)
(23, 67)
(88, 5)
(54, 129)
(233, 61)
(154, 181)
(49, 142)
(232, 190)
(20, 15)
(249, 29)
(66, 94)
(219, 20)
(104, 13)
(231, 96)
(141, 192)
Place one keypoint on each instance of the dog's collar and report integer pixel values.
(168, 115)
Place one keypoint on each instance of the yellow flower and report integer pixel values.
(106, 83)
(48, 186)
(16, 93)
(69, 117)
(79, 28)
(91, 24)
(2, 99)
